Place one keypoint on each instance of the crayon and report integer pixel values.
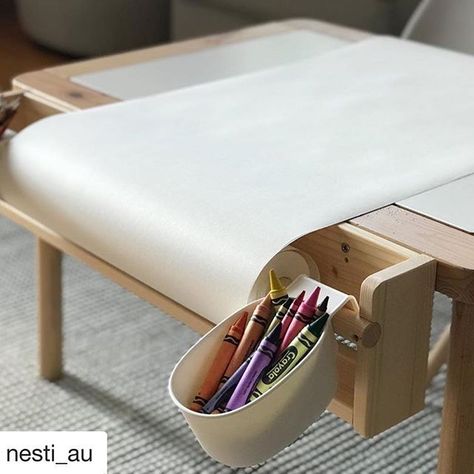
(291, 356)
(252, 334)
(302, 318)
(220, 363)
(278, 292)
(261, 359)
(218, 401)
(280, 314)
(322, 308)
(290, 314)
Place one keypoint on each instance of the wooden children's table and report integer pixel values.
(51, 91)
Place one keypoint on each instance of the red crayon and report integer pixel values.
(290, 314)
(302, 318)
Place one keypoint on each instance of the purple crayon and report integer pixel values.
(261, 359)
(221, 397)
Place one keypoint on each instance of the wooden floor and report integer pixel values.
(17, 52)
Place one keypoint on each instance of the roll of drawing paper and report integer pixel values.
(195, 191)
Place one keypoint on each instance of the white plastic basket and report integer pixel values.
(257, 431)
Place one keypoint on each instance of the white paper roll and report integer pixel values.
(194, 192)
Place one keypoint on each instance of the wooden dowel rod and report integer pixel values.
(356, 329)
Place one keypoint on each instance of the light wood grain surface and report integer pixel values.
(390, 379)
(452, 248)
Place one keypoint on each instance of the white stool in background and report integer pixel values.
(445, 23)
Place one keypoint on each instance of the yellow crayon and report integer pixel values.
(278, 292)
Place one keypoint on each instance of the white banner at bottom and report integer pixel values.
(53, 452)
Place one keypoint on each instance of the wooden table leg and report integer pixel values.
(438, 355)
(456, 455)
(49, 310)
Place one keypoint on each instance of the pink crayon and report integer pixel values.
(302, 318)
(290, 314)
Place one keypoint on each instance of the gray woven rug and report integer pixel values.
(119, 352)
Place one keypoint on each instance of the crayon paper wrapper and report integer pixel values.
(194, 191)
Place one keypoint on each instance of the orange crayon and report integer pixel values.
(221, 361)
(252, 335)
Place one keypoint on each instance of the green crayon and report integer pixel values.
(291, 356)
(280, 314)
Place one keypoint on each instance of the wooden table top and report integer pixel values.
(51, 91)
